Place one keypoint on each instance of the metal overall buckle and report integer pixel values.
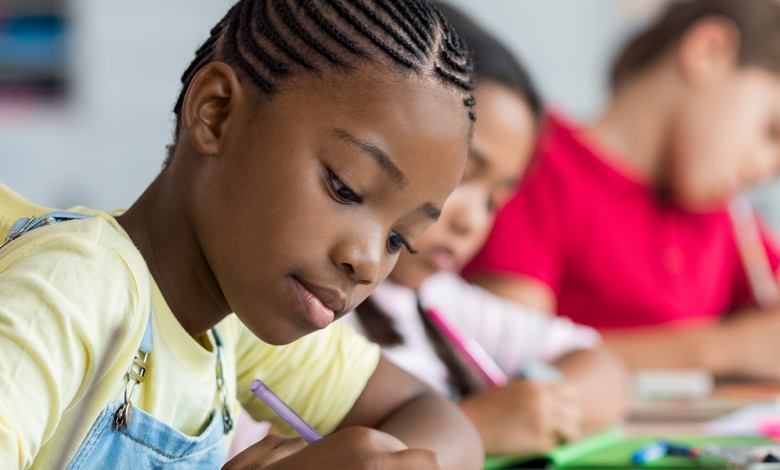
(227, 419)
(18, 233)
(125, 412)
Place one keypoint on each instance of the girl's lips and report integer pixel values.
(443, 259)
(319, 313)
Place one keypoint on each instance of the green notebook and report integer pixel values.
(561, 455)
(609, 450)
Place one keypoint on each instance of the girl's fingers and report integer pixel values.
(411, 459)
(265, 452)
(567, 392)
(568, 431)
(568, 415)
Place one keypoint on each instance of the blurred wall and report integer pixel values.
(103, 146)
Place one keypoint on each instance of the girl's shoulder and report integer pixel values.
(82, 268)
(94, 243)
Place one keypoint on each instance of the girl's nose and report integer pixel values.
(359, 256)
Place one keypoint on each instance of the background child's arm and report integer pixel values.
(528, 416)
(524, 416)
(745, 344)
(600, 379)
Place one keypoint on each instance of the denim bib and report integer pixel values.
(125, 438)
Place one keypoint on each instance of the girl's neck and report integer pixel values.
(158, 224)
(636, 126)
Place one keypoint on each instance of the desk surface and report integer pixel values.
(687, 417)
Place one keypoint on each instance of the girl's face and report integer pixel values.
(726, 138)
(504, 135)
(314, 196)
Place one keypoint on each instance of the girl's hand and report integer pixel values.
(354, 448)
(524, 416)
(265, 452)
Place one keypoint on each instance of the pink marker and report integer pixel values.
(469, 348)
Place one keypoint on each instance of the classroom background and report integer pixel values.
(87, 86)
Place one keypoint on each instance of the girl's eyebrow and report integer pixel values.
(430, 211)
(385, 162)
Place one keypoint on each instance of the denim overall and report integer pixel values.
(125, 438)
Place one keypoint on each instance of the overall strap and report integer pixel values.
(27, 224)
(24, 225)
(137, 371)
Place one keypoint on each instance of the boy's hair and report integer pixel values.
(758, 23)
(493, 61)
(273, 40)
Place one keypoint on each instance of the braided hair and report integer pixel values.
(272, 40)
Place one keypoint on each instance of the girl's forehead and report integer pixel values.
(408, 114)
(415, 129)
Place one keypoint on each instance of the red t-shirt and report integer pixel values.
(614, 255)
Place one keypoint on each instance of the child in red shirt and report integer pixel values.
(624, 225)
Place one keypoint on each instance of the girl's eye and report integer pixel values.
(343, 193)
(395, 242)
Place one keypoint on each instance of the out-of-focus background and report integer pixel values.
(87, 86)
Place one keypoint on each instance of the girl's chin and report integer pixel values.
(704, 204)
(705, 200)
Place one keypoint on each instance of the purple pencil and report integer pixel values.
(284, 411)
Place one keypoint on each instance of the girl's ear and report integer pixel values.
(709, 49)
(208, 103)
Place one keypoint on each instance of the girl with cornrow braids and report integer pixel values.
(315, 140)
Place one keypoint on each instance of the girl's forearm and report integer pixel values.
(433, 422)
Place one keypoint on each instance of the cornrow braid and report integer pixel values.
(362, 29)
(407, 28)
(272, 40)
(385, 27)
(405, 9)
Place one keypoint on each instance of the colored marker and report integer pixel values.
(677, 450)
(656, 450)
(284, 411)
(479, 359)
(650, 452)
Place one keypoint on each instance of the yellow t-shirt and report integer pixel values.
(65, 288)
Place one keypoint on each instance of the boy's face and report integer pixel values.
(309, 205)
(503, 138)
(726, 138)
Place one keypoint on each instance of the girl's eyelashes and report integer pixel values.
(395, 242)
(343, 193)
